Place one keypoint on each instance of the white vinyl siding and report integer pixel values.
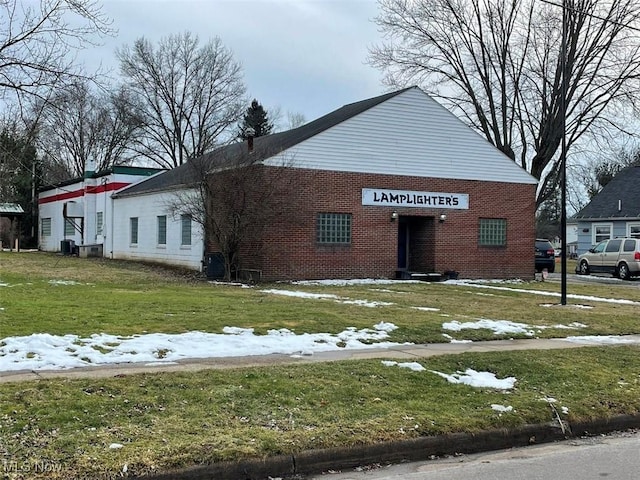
(411, 135)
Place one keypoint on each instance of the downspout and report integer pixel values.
(111, 232)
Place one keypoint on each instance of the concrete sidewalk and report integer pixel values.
(408, 352)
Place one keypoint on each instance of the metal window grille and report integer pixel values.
(334, 228)
(493, 232)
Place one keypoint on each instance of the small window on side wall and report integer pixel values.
(69, 227)
(162, 229)
(334, 228)
(492, 232)
(133, 230)
(46, 227)
(185, 221)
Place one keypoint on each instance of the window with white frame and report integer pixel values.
(601, 231)
(99, 220)
(185, 223)
(162, 229)
(133, 230)
(69, 227)
(633, 230)
(45, 227)
(334, 228)
(492, 232)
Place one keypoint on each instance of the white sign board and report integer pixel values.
(406, 198)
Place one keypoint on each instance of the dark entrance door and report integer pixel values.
(403, 243)
(416, 240)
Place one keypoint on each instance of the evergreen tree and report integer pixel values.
(257, 119)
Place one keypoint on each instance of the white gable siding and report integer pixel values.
(409, 134)
(147, 208)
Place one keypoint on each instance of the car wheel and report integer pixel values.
(584, 268)
(623, 271)
(551, 269)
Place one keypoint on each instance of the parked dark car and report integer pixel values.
(545, 256)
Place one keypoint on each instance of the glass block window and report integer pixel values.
(133, 230)
(162, 229)
(493, 232)
(46, 227)
(334, 228)
(185, 221)
(99, 220)
(69, 228)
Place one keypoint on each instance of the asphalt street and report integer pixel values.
(614, 457)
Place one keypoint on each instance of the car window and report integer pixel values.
(599, 248)
(629, 246)
(613, 246)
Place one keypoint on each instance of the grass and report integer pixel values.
(165, 421)
(181, 419)
(68, 295)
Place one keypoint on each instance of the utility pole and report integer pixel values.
(563, 157)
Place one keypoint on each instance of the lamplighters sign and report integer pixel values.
(407, 198)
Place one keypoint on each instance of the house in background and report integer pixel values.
(613, 212)
(10, 215)
(79, 212)
(390, 187)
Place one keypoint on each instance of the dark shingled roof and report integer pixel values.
(264, 147)
(624, 187)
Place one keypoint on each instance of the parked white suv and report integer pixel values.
(617, 256)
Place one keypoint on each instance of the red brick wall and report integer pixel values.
(289, 250)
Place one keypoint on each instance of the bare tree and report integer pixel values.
(80, 129)
(497, 64)
(189, 95)
(235, 197)
(38, 41)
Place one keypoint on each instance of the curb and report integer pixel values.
(317, 461)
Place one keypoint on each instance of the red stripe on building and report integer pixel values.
(109, 187)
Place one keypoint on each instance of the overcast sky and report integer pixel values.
(302, 56)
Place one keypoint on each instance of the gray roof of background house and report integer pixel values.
(264, 147)
(623, 189)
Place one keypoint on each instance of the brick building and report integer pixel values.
(386, 187)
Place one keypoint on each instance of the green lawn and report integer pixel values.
(169, 420)
(123, 299)
(175, 420)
